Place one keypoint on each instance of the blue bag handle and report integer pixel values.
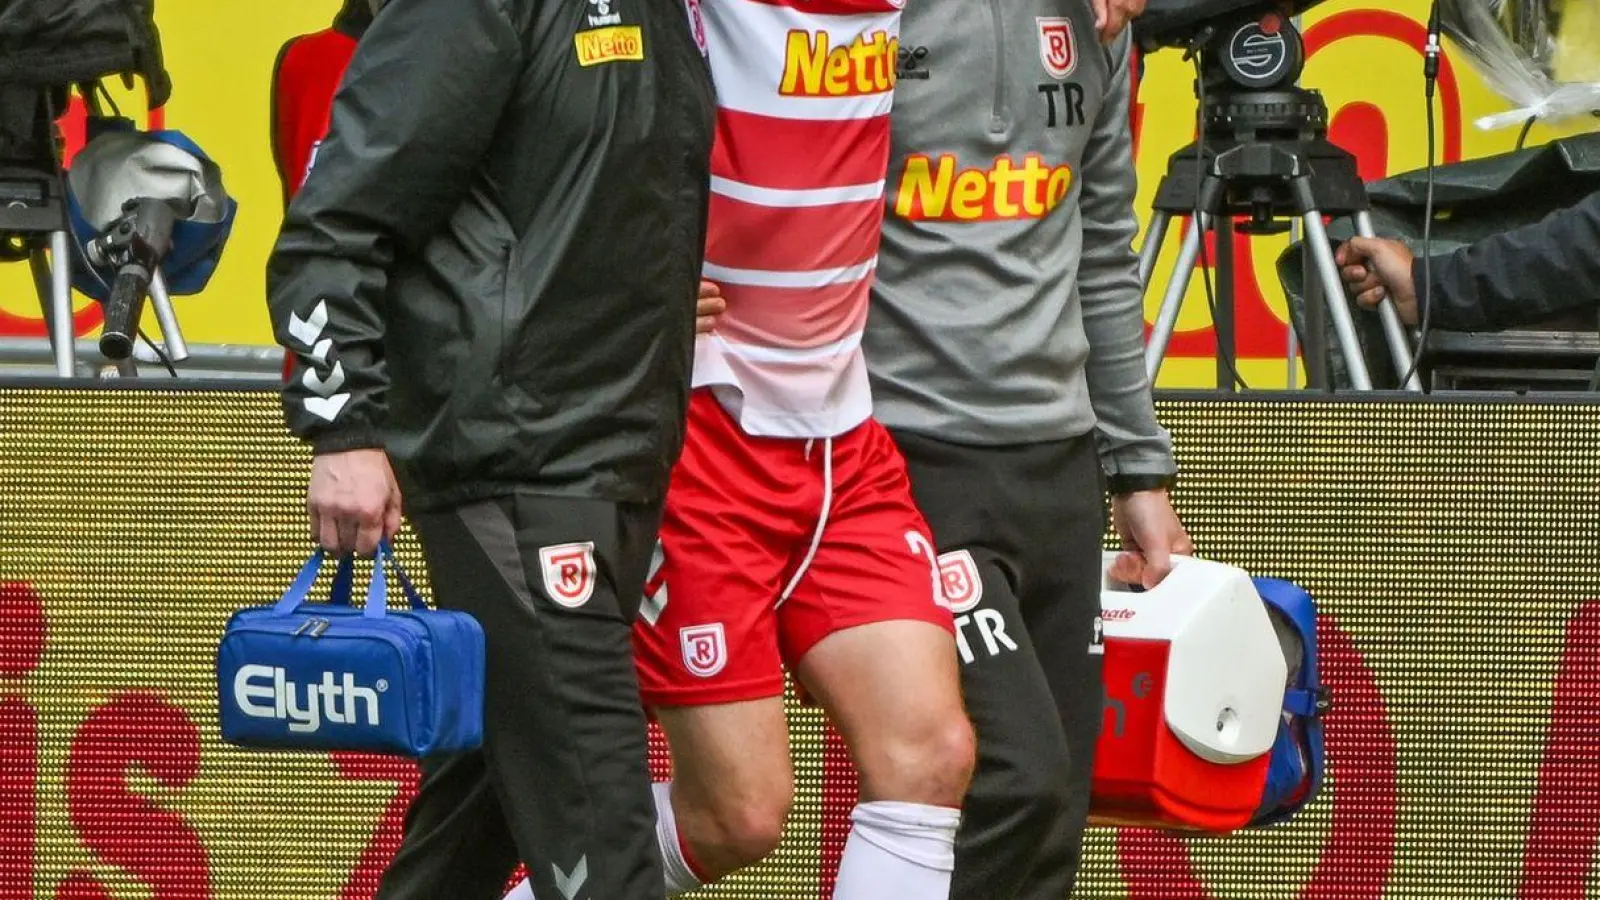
(378, 590)
(343, 581)
(340, 594)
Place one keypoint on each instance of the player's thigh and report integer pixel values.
(871, 638)
(732, 758)
(891, 689)
(710, 670)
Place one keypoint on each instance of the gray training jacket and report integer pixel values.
(1008, 308)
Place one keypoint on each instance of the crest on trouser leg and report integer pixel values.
(568, 573)
(958, 576)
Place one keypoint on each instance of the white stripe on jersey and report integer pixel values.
(812, 279)
(788, 199)
(758, 354)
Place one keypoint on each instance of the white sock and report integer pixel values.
(680, 876)
(901, 850)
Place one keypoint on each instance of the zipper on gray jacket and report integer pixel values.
(999, 119)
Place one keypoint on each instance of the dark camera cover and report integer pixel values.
(1175, 23)
(65, 42)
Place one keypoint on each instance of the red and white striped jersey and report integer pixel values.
(804, 90)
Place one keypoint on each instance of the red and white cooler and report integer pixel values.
(1194, 682)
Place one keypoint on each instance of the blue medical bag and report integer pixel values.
(1296, 771)
(331, 676)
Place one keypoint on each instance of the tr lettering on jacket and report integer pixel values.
(933, 189)
(1063, 104)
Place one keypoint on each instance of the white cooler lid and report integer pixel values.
(1225, 671)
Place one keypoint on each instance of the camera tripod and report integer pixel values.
(1264, 156)
(33, 211)
(34, 226)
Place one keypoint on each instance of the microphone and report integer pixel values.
(1431, 53)
(135, 244)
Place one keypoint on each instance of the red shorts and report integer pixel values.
(763, 555)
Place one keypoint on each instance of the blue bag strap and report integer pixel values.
(412, 596)
(377, 591)
(378, 588)
(300, 588)
(1309, 703)
(1314, 737)
(343, 581)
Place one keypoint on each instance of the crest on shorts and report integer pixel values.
(1058, 47)
(958, 576)
(568, 572)
(705, 648)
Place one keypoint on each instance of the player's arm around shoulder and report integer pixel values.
(709, 307)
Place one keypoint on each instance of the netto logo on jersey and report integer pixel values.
(812, 68)
(263, 692)
(931, 189)
(912, 63)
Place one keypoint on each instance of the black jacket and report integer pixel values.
(353, 18)
(491, 269)
(1519, 277)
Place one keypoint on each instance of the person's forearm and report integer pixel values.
(1520, 277)
(1130, 440)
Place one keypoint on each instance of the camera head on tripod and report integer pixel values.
(1249, 57)
(1243, 45)
(1194, 23)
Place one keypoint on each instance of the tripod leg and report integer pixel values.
(1222, 327)
(1333, 291)
(171, 334)
(61, 331)
(1314, 313)
(1393, 330)
(1172, 301)
(1151, 251)
(39, 265)
(1291, 353)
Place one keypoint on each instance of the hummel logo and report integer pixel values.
(912, 63)
(570, 884)
(308, 332)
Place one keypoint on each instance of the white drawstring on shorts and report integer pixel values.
(822, 521)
